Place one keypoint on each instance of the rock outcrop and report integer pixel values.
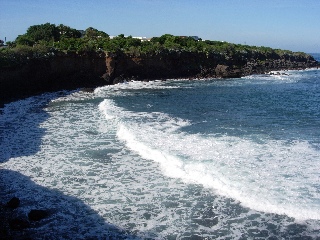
(13, 203)
(63, 71)
(198, 65)
(71, 70)
(37, 215)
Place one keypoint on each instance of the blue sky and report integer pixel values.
(286, 24)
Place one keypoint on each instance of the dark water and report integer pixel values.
(202, 159)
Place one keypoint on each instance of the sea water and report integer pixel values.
(175, 159)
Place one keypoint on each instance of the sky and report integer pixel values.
(286, 24)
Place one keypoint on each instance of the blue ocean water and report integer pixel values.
(316, 56)
(175, 159)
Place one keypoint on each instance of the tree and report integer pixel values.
(165, 38)
(132, 42)
(1, 42)
(91, 33)
(11, 44)
(119, 42)
(68, 32)
(46, 32)
(24, 40)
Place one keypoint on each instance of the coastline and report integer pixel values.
(120, 80)
(70, 71)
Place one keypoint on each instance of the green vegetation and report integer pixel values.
(44, 40)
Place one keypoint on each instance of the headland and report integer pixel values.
(64, 58)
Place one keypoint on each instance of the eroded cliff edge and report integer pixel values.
(74, 70)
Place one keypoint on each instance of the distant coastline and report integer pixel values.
(51, 58)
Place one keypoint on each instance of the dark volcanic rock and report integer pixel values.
(13, 203)
(71, 70)
(61, 72)
(119, 79)
(18, 224)
(87, 90)
(37, 215)
(222, 71)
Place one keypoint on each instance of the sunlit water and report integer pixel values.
(175, 159)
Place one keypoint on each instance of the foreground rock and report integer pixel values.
(13, 224)
(37, 215)
(19, 224)
(13, 203)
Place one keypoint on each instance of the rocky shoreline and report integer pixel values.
(67, 71)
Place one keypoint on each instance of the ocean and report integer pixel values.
(175, 159)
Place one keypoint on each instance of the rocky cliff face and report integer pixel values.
(71, 71)
(198, 65)
(63, 71)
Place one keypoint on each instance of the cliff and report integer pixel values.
(62, 71)
(199, 65)
(72, 70)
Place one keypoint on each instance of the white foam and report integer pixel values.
(279, 77)
(118, 89)
(274, 176)
(77, 153)
(170, 164)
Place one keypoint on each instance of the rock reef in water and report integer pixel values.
(72, 70)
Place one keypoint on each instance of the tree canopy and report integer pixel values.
(93, 33)
(46, 33)
(64, 38)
